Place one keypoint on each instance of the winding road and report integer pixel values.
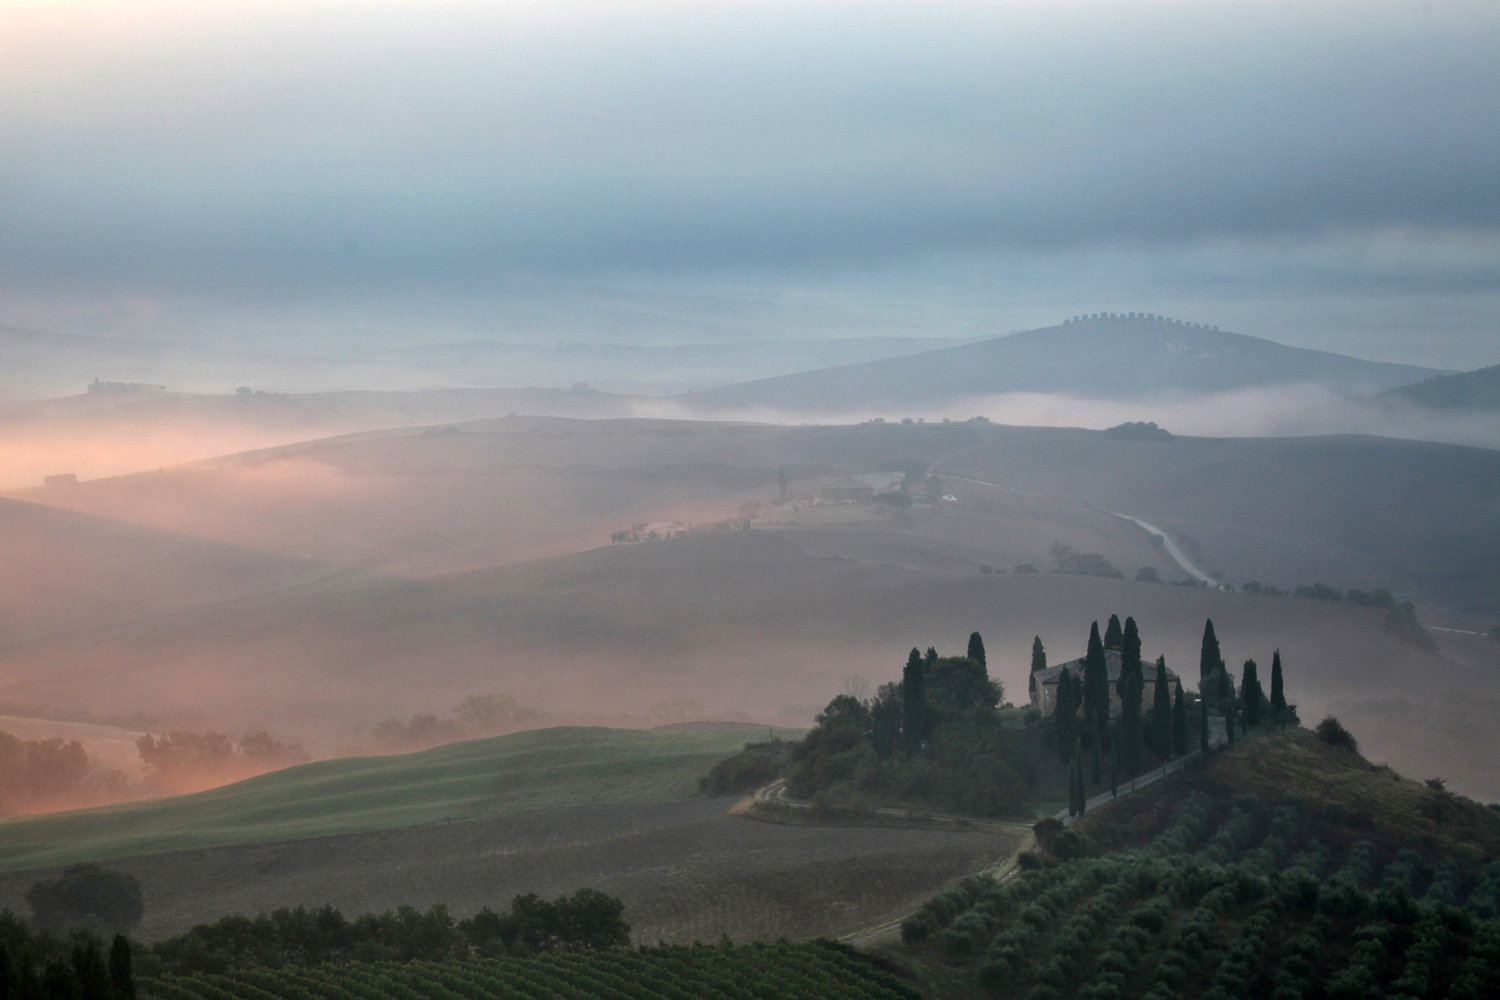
(1180, 557)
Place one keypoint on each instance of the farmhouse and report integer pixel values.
(1044, 682)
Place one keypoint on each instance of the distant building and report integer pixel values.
(63, 479)
(1044, 682)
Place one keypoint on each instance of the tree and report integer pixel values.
(1203, 724)
(87, 894)
(1179, 722)
(59, 982)
(1130, 646)
(1278, 691)
(1251, 693)
(1209, 659)
(1229, 723)
(121, 971)
(1065, 715)
(1114, 769)
(885, 719)
(1112, 633)
(976, 650)
(91, 970)
(914, 701)
(1038, 655)
(1076, 795)
(1161, 713)
(1132, 686)
(956, 684)
(1095, 685)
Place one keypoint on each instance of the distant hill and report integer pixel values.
(1093, 357)
(1476, 390)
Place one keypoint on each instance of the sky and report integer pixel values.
(327, 173)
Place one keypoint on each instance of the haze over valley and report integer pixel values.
(603, 499)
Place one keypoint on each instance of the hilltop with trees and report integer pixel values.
(939, 738)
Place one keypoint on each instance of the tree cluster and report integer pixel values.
(301, 936)
(476, 716)
(1065, 559)
(934, 738)
(40, 965)
(179, 760)
(37, 774)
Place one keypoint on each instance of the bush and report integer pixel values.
(89, 895)
(1332, 731)
(756, 765)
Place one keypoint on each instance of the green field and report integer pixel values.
(545, 769)
(808, 969)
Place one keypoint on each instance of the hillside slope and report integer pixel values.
(1476, 390)
(1092, 358)
(541, 770)
(62, 569)
(1413, 516)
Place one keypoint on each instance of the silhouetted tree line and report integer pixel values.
(1081, 726)
(180, 759)
(301, 936)
(476, 716)
(46, 966)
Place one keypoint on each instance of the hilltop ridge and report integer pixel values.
(1104, 355)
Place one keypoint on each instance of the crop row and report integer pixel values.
(754, 972)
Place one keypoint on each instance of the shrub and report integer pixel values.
(1332, 731)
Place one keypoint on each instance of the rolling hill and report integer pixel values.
(1093, 358)
(475, 824)
(67, 571)
(1476, 390)
(538, 771)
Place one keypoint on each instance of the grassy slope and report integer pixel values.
(544, 769)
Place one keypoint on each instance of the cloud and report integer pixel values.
(290, 150)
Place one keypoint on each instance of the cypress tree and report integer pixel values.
(59, 982)
(1251, 693)
(930, 658)
(1095, 685)
(1083, 795)
(1112, 634)
(1161, 713)
(1038, 655)
(1179, 722)
(1131, 687)
(1278, 692)
(121, 972)
(914, 701)
(1075, 775)
(976, 649)
(1094, 760)
(1203, 724)
(1209, 659)
(1065, 715)
(1130, 646)
(1114, 769)
(91, 972)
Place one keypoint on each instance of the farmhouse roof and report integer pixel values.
(1112, 658)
